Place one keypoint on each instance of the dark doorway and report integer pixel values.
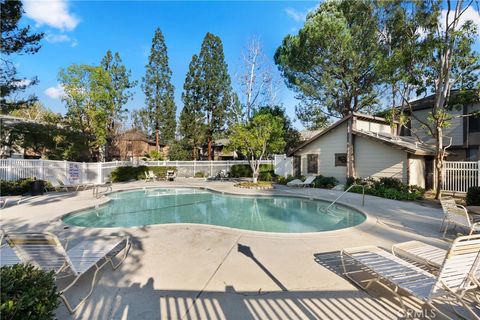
(297, 166)
(429, 172)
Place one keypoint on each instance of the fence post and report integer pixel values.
(211, 168)
(42, 169)
(99, 173)
(9, 169)
(84, 169)
(478, 173)
(66, 169)
(194, 167)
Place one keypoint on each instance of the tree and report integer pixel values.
(333, 64)
(179, 150)
(216, 91)
(141, 121)
(158, 89)
(441, 60)
(89, 100)
(256, 80)
(192, 117)
(261, 137)
(14, 40)
(121, 92)
(291, 136)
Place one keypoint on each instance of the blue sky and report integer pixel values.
(82, 31)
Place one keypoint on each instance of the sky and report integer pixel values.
(82, 31)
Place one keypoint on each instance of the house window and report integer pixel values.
(340, 159)
(312, 163)
(473, 124)
(297, 166)
(472, 154)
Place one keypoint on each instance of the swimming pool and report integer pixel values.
(182, 205)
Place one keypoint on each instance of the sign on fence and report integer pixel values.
(74, 173)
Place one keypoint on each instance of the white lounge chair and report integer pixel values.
(308, 182)
(457, 215)
(170, 175)
(45, 251)
(455, 277)
(428, 255)
(66, 184)
(150, 176)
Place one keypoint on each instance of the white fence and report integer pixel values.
(283, 165)
(97, 172)
(459, 176)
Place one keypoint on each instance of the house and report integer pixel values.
(378, 152)
(219, 151)
(464, 130)
(134, 144)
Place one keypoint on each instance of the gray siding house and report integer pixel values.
(464, 130)
(378, 152)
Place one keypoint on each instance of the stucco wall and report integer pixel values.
(377, 160)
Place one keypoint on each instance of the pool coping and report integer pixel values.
(369, 222)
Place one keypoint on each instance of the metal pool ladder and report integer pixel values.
(348, 189)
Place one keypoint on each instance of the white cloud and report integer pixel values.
(55, 92)
(469, 14)
(295, 14)
(58, 38)
(53, 13)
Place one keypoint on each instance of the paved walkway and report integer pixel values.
(202, 272)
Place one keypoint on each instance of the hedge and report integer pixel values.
(245, 171)
(17, 187)
(27, 293)
(129, 173)
(389, 188)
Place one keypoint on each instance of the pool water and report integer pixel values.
(175, 205)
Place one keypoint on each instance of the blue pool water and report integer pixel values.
(269, 214)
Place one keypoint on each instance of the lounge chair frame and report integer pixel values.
(75, 262)
(456, 215)
(454, 279)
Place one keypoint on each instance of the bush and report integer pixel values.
(266, 172)
(389, 188)
(473, 196)
(27, 293)
(325, 182)
(283, 180)
(18, 187)
(129, 173)
(200, 174)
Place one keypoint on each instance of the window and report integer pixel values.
(473, 124)
(296, 166)
(312, 163)
(340, 159)
(472, 154)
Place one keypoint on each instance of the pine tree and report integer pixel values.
(16, 39)
(215, 87)
(158, 91)
(121, 92)
(192, 117)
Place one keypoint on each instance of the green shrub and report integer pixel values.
(27, 293)
(17, 187)
(473, 196)
(266, 172)
(283, 180)
(325, 182)
(200, 174)
(389, 188)
(129, 173)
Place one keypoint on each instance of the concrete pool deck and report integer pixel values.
(203, 272)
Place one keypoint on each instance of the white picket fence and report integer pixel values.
(459, 176)
(97, 172)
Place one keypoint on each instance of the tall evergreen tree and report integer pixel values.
(215, 87)
(158, 91)
(121, 93)
(14, 40)
(192, 117)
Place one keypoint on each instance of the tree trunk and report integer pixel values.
(439, 154)
(255, 169)
(209, 148)
(350, 154)
(157, 144)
